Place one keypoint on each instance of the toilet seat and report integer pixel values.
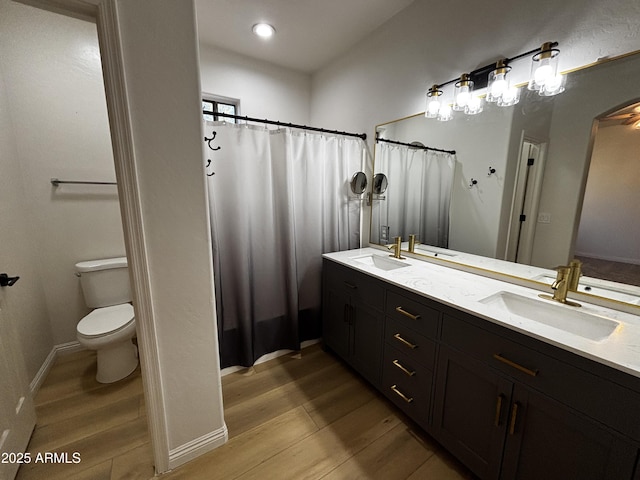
(106, 320)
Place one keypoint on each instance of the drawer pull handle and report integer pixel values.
(410, 373)
(513, 364)
(498, 410)
(402, 395)
(351, 285)
(514, 416)
(407, 314)
(407, 343)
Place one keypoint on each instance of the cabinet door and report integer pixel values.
(549, 440)
(335, 324)
(367, 341)
(470, 411)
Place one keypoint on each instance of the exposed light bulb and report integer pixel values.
(463, 97)
(445, 113)
(498, 86)
(543, 72)
(433, 107)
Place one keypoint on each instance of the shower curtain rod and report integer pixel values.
(363, 136)
(452, 152)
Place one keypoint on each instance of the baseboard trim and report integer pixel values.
(197, 447)
(57, 350)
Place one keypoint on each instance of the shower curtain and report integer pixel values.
(419, 194)
(278, 200)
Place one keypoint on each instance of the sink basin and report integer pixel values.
(382, 262)
(568, 319)
(599, 290)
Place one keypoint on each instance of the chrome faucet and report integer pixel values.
(396, 247)
(560, 287)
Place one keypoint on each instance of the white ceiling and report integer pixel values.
(309, 33)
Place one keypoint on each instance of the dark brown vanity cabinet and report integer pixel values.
(507, 405)
(353, 318)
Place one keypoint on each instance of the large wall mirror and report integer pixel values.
(529, 187)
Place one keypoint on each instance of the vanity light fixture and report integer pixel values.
(264, 30)
(544, 71)
(544, 79)
(433, 102)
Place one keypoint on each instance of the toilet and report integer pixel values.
(109, 329)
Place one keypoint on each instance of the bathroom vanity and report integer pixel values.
(513, 385)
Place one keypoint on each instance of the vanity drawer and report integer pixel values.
(407, 384)
(593, 395)
(356, 284)
(413, 314)
(415, 346)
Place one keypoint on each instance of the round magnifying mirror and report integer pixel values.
(379, 183)
(358, 183)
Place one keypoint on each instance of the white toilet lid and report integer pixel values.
(106, 320)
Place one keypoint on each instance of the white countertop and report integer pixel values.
(466, 291)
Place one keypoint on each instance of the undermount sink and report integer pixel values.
(382, 262)
(593, 289)
(569, 319)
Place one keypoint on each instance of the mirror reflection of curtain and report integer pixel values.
(419, 196)
(278, 199)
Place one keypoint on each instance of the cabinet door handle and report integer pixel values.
(506, 361)
(407, 343)
(345, 313)
(407, 314)
(410, 373)
(496, 422)
(351, 285)
(402, 395)
(514, 416)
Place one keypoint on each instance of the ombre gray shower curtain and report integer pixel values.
(278, 199)
(418, 198)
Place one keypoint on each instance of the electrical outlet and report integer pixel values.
(544, 218)
(384, 233)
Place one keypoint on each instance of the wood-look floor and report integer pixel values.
(304, 416)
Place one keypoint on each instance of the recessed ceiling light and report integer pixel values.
(263, 30)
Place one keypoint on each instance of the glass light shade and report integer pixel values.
(509, 97)
(462, 92)
(445, 113)
(474, 106)
(498, 82)
(553, 86)
(433, 102)
(544, 67)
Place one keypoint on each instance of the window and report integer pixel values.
(219, 105)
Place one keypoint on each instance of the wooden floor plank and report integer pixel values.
(249, 449)
(300, 416)
(394, 456)
(323, 451)
(84, 425)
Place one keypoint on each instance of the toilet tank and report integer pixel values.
(104, 282)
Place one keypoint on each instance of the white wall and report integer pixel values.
(24, 302)
(264, 90)
(172, 203)
(56, 99)
(609, 225)
(387, 75)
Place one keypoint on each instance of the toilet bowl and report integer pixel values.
(109, 329)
